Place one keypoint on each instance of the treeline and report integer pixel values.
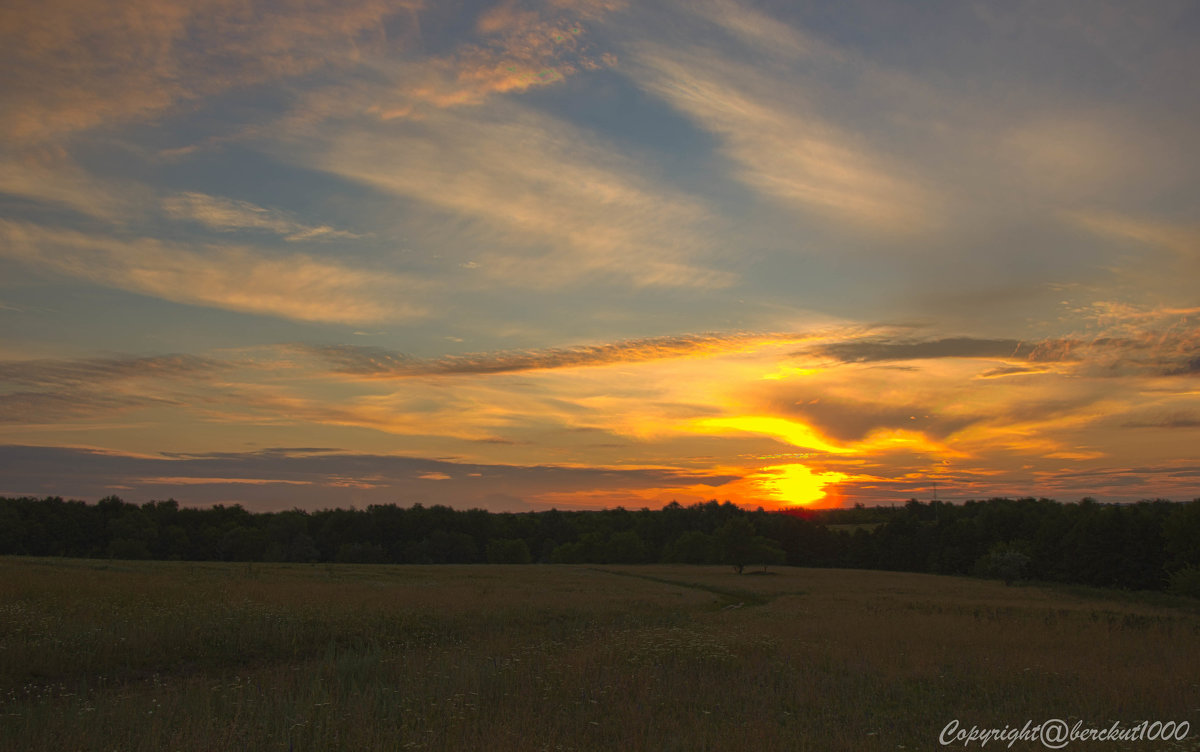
(1148, 545)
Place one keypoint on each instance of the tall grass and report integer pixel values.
(159, 656)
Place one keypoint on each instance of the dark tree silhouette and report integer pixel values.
(1148, 545)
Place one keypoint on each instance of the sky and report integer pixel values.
(524, 255)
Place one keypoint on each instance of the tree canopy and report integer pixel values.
(1146, 545)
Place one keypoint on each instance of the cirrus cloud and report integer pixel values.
(227, 215)
(371, 362)
(235, 278)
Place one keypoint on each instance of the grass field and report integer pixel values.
(180, 656)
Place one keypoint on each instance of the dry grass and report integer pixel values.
(102, 656)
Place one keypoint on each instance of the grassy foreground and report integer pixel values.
(179, 656)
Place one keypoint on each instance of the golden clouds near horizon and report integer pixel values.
(793, 432)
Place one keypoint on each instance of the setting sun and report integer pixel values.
(795, 484)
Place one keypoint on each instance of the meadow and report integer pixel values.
(110, 655)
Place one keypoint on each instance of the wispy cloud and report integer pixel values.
(48, 176)
(227, 215)
(1129, 341)
(183, 480)
(1183, 240)
(71, 68)
(518, 46)
(846, 419)
(1073, 154)
(51, 408)
(513, 46)
(1175, 479)
(231, 277)
(1125, 339)
(93, 371)
(870, 350)
(783, 147)
(429, 413)
(52, 391)
(553, 204)
(759, 31)
(373, 362)
(1005, 371)
(1171, 420)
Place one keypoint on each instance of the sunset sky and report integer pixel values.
(586, 254)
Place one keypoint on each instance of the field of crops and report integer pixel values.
(102, 655)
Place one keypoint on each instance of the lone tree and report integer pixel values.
(1004, 561)
(740, 545)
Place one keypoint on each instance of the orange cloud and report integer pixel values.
(795, 433)
(519, 47)
(693, 409)
(804, 436)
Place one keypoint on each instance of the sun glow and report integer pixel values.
(795, 484)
